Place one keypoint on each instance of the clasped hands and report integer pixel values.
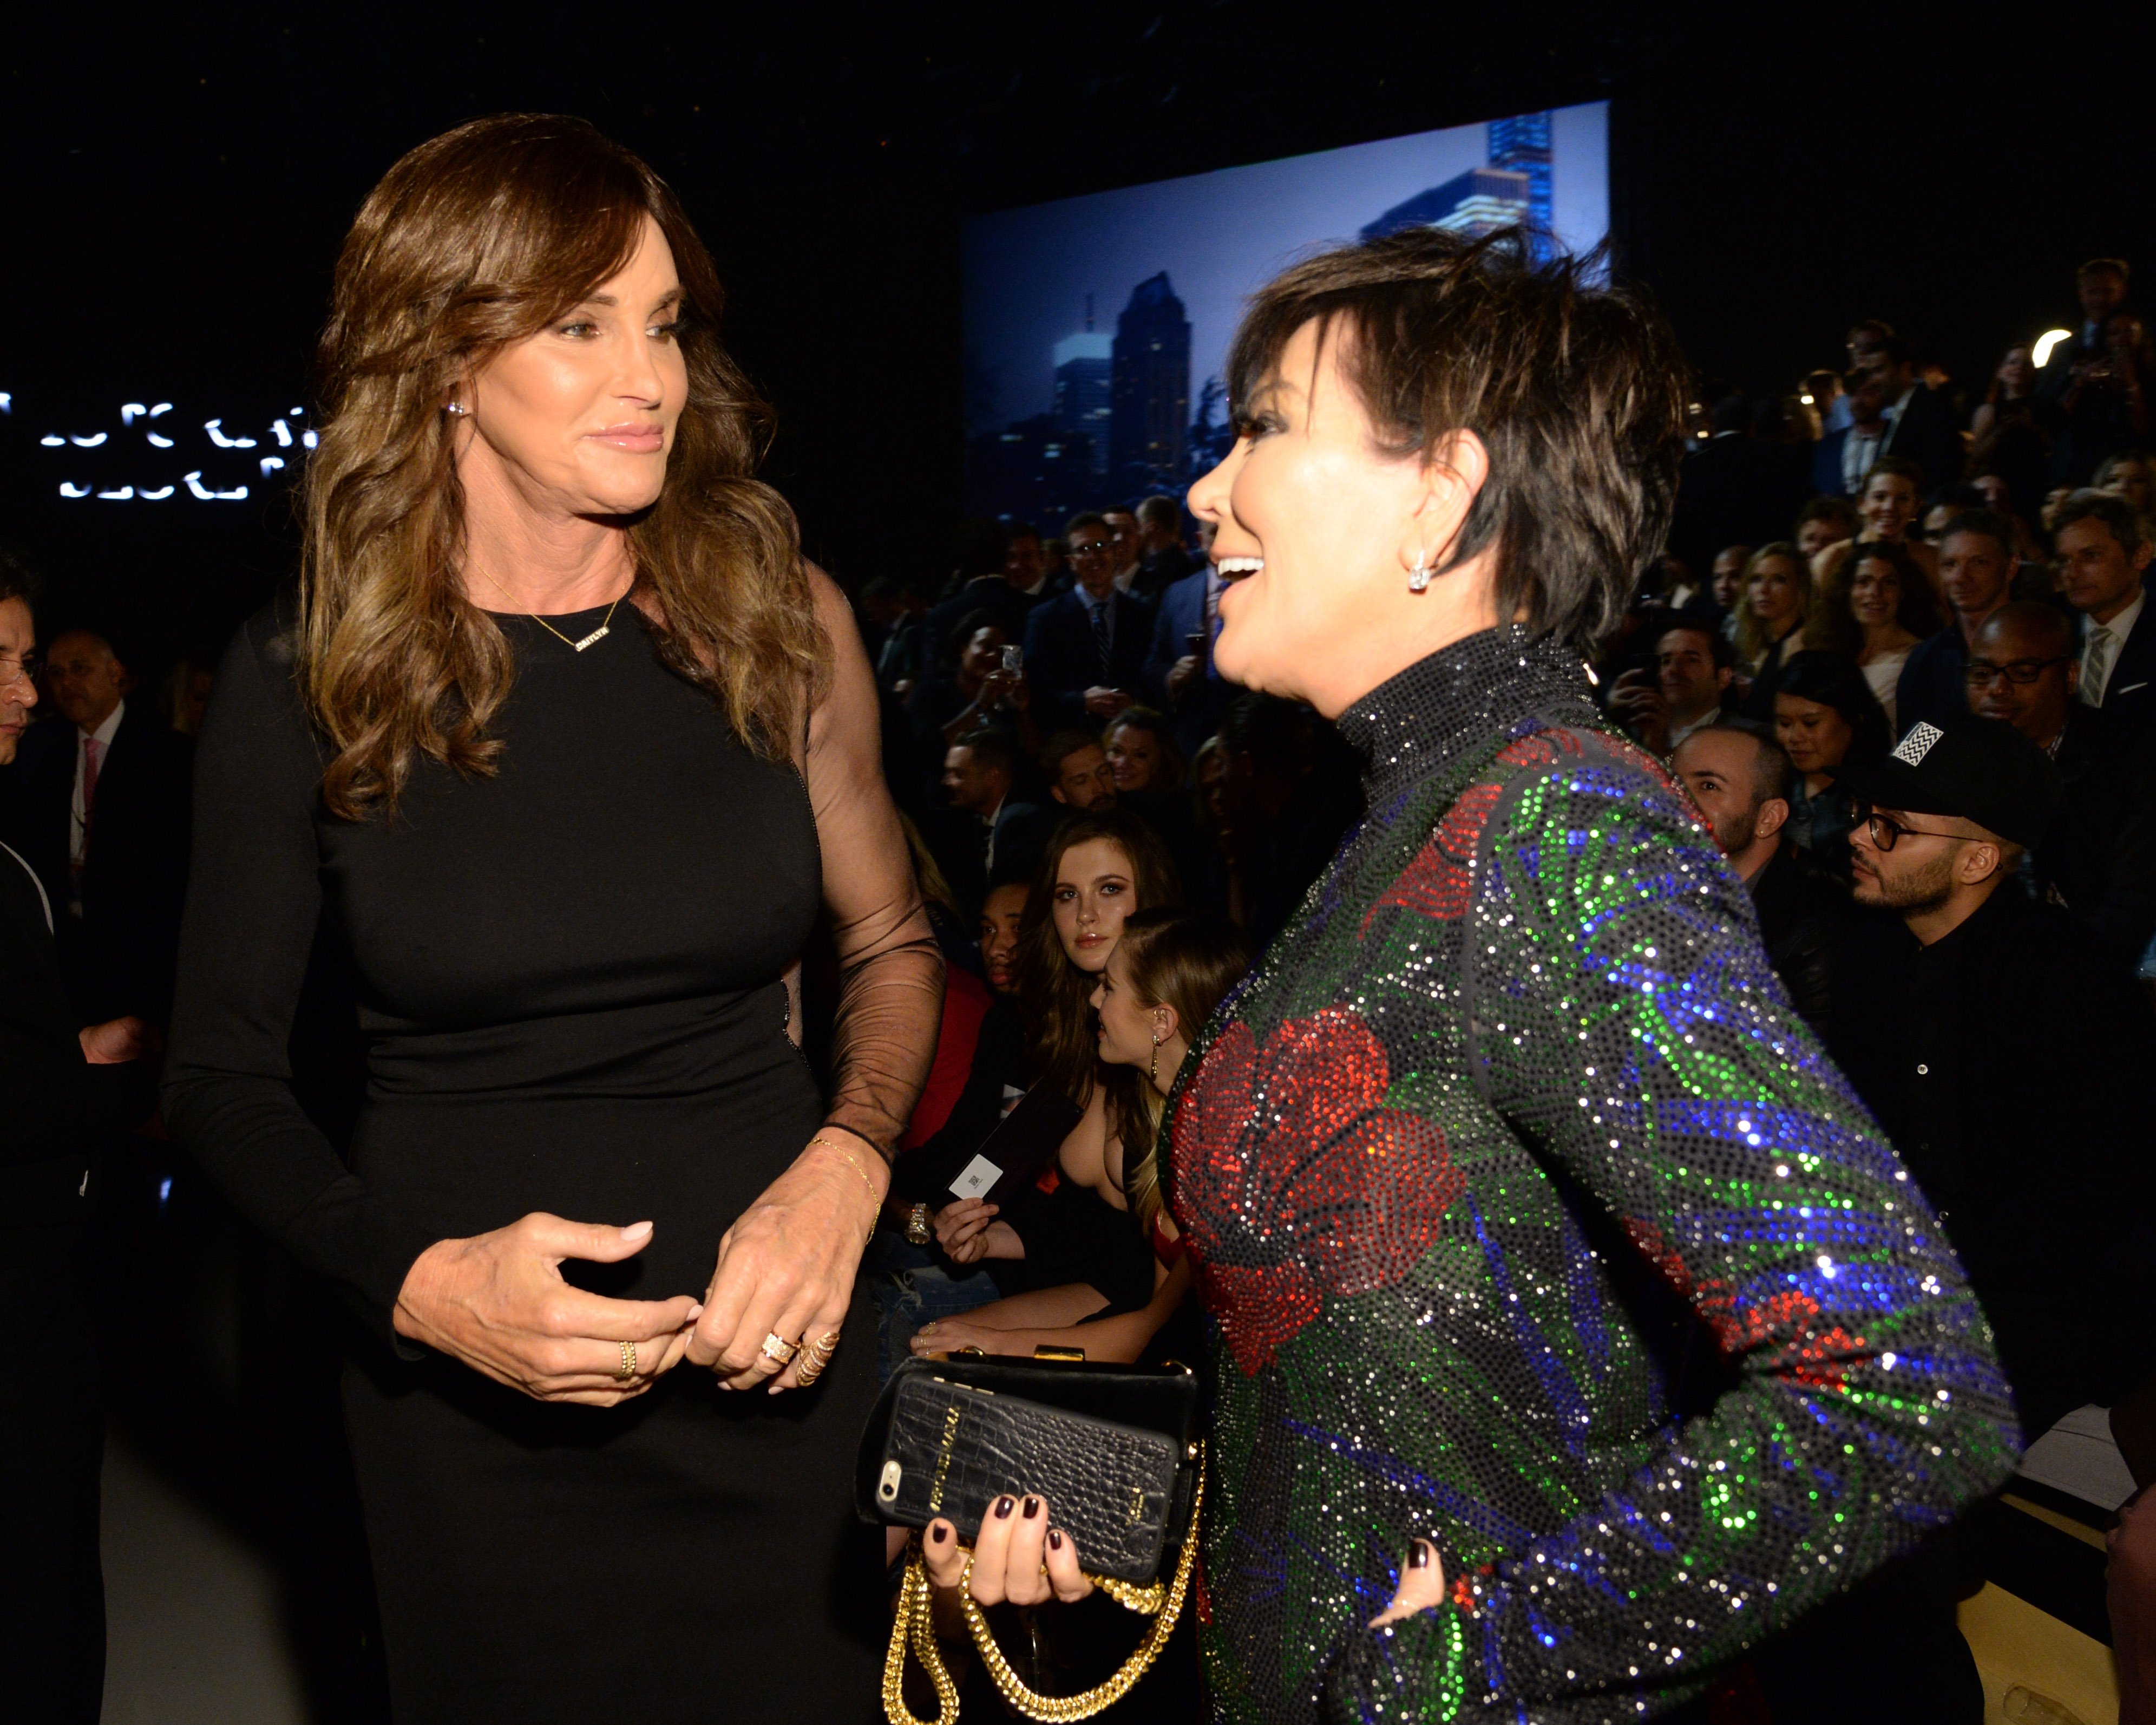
(499, 1303)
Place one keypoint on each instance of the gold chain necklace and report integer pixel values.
(606, 623)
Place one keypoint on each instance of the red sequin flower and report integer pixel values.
(1293, 1181)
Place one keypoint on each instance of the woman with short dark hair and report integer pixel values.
(1515, 1075)
(567, 745)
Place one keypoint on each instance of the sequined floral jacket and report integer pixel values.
(1513, 1106)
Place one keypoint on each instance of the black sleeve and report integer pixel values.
(253, 896)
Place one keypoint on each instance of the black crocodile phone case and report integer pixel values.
(953, 1448)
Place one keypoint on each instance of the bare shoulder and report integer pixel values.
(1084, 1157)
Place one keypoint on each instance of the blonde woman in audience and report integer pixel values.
(1770, 622)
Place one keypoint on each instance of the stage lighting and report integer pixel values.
(159, 443)
(2041, 352)
(270, 464)
(130, 411)
(236, 494)
(156, 496)
(118, 496)
(222, 441)
(69, 491)
(53, 441)
(88, 443)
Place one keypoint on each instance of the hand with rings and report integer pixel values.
(785, 1275)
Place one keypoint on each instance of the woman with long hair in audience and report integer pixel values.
(569, 746)
(1828, 721)
(1151, 781)
(1167, 973)
(1770, 622)
(1889, 508)
(1873, 608)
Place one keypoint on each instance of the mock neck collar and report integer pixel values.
(1421, 720)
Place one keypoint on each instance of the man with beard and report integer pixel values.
(1683, 693)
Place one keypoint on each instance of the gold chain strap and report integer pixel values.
(914, 1627)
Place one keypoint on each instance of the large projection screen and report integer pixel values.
(1096, 328)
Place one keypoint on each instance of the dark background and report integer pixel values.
(175, 185)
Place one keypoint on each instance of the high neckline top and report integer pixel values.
(1422, 719)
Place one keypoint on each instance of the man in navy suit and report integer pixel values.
(1841, 459)
(1180, 676)
(2104, 547)
(1086, 649)
(1923, 426)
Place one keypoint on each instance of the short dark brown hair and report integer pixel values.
(18, 579)
(991, 749)
(2114, 511)
(1576, 389)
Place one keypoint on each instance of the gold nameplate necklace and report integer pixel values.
(598, 634)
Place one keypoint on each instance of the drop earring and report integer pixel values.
(1152, 1065)
(1418, 575)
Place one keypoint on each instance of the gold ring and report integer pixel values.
(815, 1357)
(776, 1348)
(628, 1361)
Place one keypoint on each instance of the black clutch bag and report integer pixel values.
(1112, 1448)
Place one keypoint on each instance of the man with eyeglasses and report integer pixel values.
(2104, 554)
(63, 1089)
(2005, 1057)
(2099, 859)
(1086, 649)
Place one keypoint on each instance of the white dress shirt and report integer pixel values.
(2101, 644)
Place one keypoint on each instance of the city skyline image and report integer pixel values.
(1096, 327)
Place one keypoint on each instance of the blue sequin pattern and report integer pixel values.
(1534, 1221)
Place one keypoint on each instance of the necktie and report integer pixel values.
(93, 757)
(1100, 635)
(2096, 663)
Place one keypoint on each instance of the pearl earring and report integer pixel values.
(1418, 575)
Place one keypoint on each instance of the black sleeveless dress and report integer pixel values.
(570, 980)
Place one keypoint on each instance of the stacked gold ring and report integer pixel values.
(628, 1370)
(815, 1357)
(776, 1347)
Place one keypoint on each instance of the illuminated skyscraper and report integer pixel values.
(1522, 144)
(1150, 406)
(1085, 372)
(1471, 203)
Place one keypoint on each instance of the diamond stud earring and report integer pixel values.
(1418, 575)
(454, 407)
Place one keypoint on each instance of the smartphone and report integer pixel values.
(1015, 660)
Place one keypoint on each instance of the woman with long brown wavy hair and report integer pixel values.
(565, 741)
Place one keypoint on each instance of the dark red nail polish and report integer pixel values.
(1032, 1507)
(1004, 1507)
(1419, 1556)
(1055, 1539)
(938, 1534)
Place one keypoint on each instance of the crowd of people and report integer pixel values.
(1896, 654)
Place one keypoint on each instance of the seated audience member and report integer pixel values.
(100, 812)
(1923, 429)
(1099, 869)
(2130, 474)
(1278, 817)
(1086, 649)
(1683, 693)
(2106, 407)
(1770, 626)
(2005, 436)
(1005, 595)
(2099, 859)
(1162, 559)
(1076, 768)
(2103, 557)
(1739, 779)
(977, 1075)
(1886, 510)
(1167, 973)
(993, 832)
(1873, 608)
(1822, 523)
(1842, 458)
(2004, 1056)
(1976, 571)
(1149, 782)
(1725, 576)
(1179, 673)
(968, 690)
(1829, 724)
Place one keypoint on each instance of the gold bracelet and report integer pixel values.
(846, 1153)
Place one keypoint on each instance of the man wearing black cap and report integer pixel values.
(2003, 1055)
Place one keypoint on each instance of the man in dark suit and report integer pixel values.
(99, 810)
(62, 1090)
(2103, 551)
(1735, 489)
(1922, 424)
(1162, 559)
(1085, 650)
(1976, 568)
(1180, 676)
(2099, 859)
(1008, 594)
(992, 833)
(1841, 459)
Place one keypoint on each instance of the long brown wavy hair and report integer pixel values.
(1055, 996)
(476, 239)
